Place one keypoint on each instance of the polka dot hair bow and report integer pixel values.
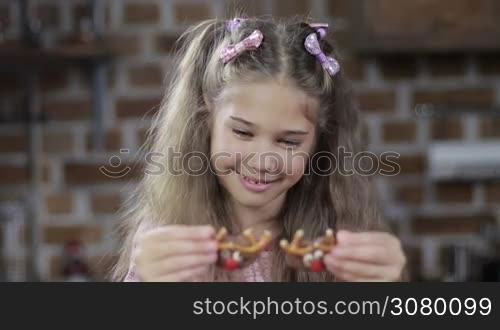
(253, 41)
(312, 46)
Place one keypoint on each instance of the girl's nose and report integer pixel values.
(268, 162)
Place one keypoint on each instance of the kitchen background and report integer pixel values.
(80, 80)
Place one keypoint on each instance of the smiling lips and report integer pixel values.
(255, 185)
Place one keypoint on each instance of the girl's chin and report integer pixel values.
(255, 200)
(251, 200)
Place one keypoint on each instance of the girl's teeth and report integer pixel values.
(253, 181)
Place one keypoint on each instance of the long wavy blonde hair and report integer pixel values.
(183, 123)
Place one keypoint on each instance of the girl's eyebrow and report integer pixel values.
(242, 120)
(287, 132)
(298, 132)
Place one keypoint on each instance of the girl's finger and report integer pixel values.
(349, 277)
(372, 254)
(177, 232)
(180, 248)
(179, 263)
(343, 275)
(369, 237)
(184, 275)
(357, 269)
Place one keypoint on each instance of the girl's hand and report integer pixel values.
(175, 253)
(366, 256)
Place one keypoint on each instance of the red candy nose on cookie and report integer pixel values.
(318, 265)
(231, 264)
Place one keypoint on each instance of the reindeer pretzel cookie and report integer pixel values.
(233, 255)
(303, 254)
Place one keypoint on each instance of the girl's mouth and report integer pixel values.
(253, 184)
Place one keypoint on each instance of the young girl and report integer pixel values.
(259, 98)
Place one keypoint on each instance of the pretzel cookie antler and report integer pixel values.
(309, 254)
(233, 255)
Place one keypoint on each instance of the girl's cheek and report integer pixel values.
(296, 167)
(225, 154)
(222, 144)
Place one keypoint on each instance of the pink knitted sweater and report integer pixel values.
(257, 271)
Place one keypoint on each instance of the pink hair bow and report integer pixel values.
(312, 46)
(253, 41)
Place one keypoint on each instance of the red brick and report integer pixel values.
(493, 192)
(371, 101)
(57, 142)
(465, 97)
(126, 45)
(113, 140)
(106, 203)
(399, 131)
(395, 67)
(407, 164)
(13, 174)
(148, 13)
(451, 224)
(67, 110)
(410, 194)
(454, 192)
(292, 7)
(54, 234)
(446, 129)
(126, 108)
(166, 42)
(88, 174)
(490, 127)
(447, 65)
(192, 12)
(59, 203)
(12, 143)
(146, 76)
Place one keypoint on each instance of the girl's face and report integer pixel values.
(262, 135)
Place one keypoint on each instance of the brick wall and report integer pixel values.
(78, 201)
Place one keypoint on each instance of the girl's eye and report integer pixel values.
(242, 133)
(290, 143)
